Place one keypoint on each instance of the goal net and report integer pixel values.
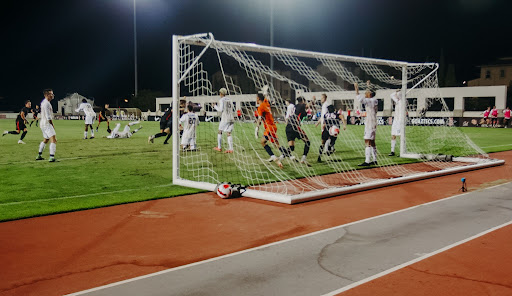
(428, 142)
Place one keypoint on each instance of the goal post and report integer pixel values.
(429, 143)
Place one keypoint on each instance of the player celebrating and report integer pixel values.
(397, 123)
(227, 120)
(90, 115)
(21, 121)
(330, 119)
(47, 126)
(103, 116)
(189, 121)
(323, 100)
(294, 115)
(370, 124)
(126, 133)
(265, 116)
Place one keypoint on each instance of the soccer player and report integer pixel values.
(103, 116)
(330, 119)
(506, 117)
(47, 126)
(494, 117)
(370, 124)
(90, 115)
(21, 121)
(165, 127)
(126, 133)
(487, 112)
(189, 121)
(265, 116)
(35, 112)
(323, 101)
(294, 115)
(227, 121)
(397, 120)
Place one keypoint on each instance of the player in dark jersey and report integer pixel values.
(294, 116)
(165, 127)
(21, 121)
(104, 116)
(330, 119)
(35, 112)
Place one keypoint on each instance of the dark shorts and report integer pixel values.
(166, 124)
(20, 125)
(294, 132)
(326, 136)
(102, 118)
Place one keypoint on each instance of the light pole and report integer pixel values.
(135, 42)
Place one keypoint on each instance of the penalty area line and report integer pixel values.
(81, 195)
(385, 272)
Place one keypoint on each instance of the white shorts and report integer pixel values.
(89, 119)
(188, 141)
(369, 134)
(226, 126)
(48, 131)
(395, 128)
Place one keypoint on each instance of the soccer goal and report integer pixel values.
(429, 144)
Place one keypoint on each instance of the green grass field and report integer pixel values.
(103, 172)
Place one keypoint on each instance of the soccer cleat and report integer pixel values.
(278, 162)
(391, 154)
(294, 158)
(364, 164)
(304, 161)
(5, 133)
(217, 149)
(272, 158)
(374, 163)
(92, 137)
(85, 138)
(151, 139)
(281, 157)
(39, 157)
(319, 159)
(21, 142)
(52, 159)
(96, 128)
(228, 151)
(165, 142)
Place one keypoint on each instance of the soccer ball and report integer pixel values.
(334, 131)
(224, 190)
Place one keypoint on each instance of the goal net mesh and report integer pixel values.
(430, 138)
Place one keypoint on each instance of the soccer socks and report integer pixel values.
(168, 136)
(41, 148)
(53, 147)
(160, 135)
(230, 143)
(374, 153)
(393, 144)
(368, 154)
(219, 141)
(23, 135)
(92, 132)
(85, 135)
(327, 144)
(306, 148)
(269, 150)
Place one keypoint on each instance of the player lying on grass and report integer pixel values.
(126, 133)
(270, 134)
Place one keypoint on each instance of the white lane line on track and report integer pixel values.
(368, 279)
(274, 244)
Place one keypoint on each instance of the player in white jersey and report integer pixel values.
(126, 133)
(397, 120)
(189, 122)
(323, 100)
(370, 124)
(227, 120)
(47, 126)
(90, 115)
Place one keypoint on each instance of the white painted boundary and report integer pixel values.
(381, 274)
(307, 235)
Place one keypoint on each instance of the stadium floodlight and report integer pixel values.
(430, 145)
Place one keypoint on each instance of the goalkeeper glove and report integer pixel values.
(256, 132)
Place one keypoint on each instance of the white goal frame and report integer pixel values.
(477, 163)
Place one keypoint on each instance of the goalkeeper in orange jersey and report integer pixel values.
(265, 115)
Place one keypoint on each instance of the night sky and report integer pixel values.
(86, 46)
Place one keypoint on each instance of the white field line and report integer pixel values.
(268, 245)
(497, 146)
(381, 274)
(81, 195)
